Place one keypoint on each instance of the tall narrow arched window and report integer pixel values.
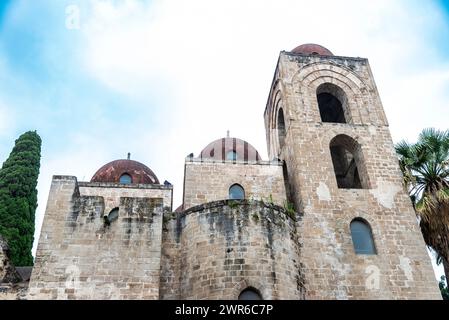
(281, 127)
(362, 237)
(332, 103)
(347, 160)
(236, 192)
(250, 294)
(126, 179)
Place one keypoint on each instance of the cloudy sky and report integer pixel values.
(162, 79)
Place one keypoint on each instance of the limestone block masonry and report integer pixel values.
(80, 256)
(11, 285)
(326, 217)
(7, 271)
(216, 250)
(207, 181)
(401, 268)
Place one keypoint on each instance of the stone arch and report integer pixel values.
(276, 104)
(254, 294)
(280, 125)
(110, 204)
(260, 286)
(237, 191)
(348, 163)
(315, 70)
(333, 103)
(309, 78)
(273, 100)
(112, 215)
(353, 96)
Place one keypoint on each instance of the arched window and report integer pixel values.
(332, 103)
(362, 237)
(250, 294)
(231, 155)
(236, 192)
(126, 179)
(347, 160)
(281, 127)
(112, 216)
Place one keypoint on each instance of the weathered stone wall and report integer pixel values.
(10, 286)
(401, 269)
(170, 263)
(111, 192)
(206, 181)
(13, 291)
(81, 256)
(7, 270)
(218, 249)
(4, 259)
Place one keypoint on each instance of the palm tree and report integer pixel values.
(425, 166)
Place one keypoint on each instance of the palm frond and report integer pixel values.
(425, 168)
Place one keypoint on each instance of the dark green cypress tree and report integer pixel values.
(18, 197)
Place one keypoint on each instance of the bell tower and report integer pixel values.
(358, 231)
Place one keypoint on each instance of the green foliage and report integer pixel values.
(289, 209)
(233, 204)
(425, 166)
(255, 217)
(443, 288)
(18, 197)
(269, 201)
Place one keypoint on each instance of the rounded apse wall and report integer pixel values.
(231, 245)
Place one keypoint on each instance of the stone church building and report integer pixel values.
(325, 217)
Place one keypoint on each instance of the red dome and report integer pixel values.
(222, 149)
(311, 49)
(112, 171)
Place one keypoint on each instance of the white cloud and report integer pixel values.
(417, 100)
